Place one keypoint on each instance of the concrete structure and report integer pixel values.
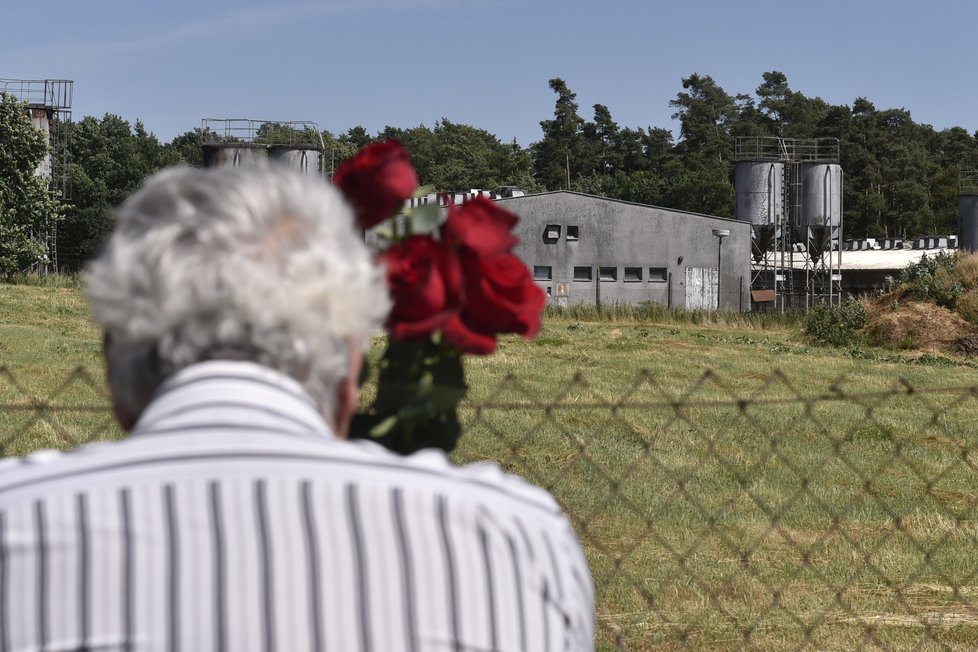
(868, 262)
(243, 155)
(306, 160)
(586, 249)
(243, 142)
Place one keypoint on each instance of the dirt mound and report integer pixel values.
(912, 324)
(967, 345)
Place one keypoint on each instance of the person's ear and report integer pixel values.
(123, 415)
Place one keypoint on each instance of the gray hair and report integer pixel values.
(234, 264)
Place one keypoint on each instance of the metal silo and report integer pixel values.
(821, 194)
(238, 155)
(304, 159)
(760, 189)
(968, 212)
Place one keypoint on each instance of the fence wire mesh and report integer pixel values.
(779, 517)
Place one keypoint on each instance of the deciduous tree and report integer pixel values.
(28, 208)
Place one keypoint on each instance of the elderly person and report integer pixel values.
(235, 305)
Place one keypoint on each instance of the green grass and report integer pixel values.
(696, 509)
(722, 505)
(50, 356)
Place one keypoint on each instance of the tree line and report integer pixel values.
(901, 176)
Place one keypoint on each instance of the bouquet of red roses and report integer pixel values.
(455, 284)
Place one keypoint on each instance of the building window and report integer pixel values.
(633, 274)
(583, 274)
(551, 234)
(658, 275)
(542, 272)
(608, 273)
(573, 232)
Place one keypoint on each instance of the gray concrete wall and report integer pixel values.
(619, 234)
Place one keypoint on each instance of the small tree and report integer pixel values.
(28, 208)
(110, 158)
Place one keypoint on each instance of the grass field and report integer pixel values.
(829, 505)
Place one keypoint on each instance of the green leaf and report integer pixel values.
(385, 230)
(384, 427)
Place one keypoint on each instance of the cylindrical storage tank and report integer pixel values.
(41, 119)
(821, 194)
(236, 155)
(968, 222)
(759, 186)
(303, 159)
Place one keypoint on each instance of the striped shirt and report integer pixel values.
(232, 519)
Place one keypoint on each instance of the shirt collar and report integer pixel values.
(232, 394)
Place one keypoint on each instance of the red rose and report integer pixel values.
(377, 181)
(500, 297)
(425, 282)
(480, 226)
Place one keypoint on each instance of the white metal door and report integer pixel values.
(701, 288)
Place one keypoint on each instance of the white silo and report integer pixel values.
(305, 159)
(237, 155)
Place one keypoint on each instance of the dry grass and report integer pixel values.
(966, 270)
(906, 324)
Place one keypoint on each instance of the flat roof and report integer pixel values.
(886, 258)
(620, 201)
(873, 259)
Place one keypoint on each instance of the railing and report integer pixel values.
(265, 132)
(714, 518)
(51, 93)
(789, 150)
(968, 182)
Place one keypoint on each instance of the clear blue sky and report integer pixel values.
(483, 62)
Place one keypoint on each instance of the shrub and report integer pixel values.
(933, 279)
(838, 325)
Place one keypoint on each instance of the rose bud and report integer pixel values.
(377, 181)
(480, 226)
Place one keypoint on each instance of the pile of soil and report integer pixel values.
(914, 324)
(967, 345)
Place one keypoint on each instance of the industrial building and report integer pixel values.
(868, 262)
(579, 248)
(593, 250)
(783, 250)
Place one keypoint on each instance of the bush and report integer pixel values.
(837, 325)
(933, 279)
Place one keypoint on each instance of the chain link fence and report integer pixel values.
(713, 517)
